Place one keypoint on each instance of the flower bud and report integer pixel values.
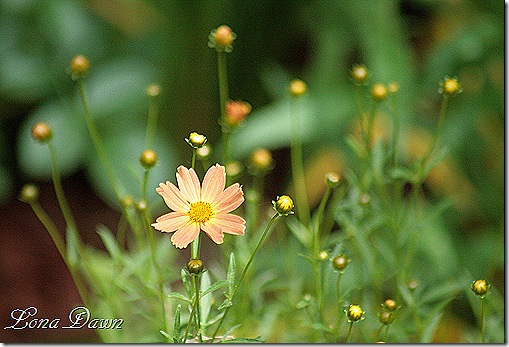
(261, 159)
(196, 140)
(195, 266)
(340, 262)
(29, 193)
(148, 158)
(204, 151)
(283, 205)
(41, 132)
(153, 90)
(236, 111)
(393, 87)
(359, 73)
(480, 287)
(390, 304)
(233, 168)
(386, 318)
(79, 66)
(323, 255)
(364, 199)
(379, 92)
(141, 206)
(127, 201)
(332, 179)
(450, 86)
(298, 87)
(222, 38)
(354, 313)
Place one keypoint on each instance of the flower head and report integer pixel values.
(41, 132)
(359, 74)
(222, 38)
(298, 87)
(207, 207)
(236, 111)
(480, 287)
(283, 205)
(354, 313)
(79, 66)
(450, 86)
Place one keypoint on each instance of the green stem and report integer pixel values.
(151, 122)
(349, 336)
(196, 283)
(386, 332)
(358, 97)
(265, 232)
(96, 140)
(60, 244)
(299, 182)
(59, 191)
(340, 300)
(483, 323)
(223, 99)
(395, 129)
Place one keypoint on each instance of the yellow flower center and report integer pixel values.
(200, 212)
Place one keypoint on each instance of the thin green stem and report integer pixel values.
(59, 191)
(60, 244)
(349, 336)
(153, 112)
(339, 299)
(395, 128)
(96, 140)
(299, 182)
(196, 283)
(246, 267)
(386, 332)
(483, 323)
(358, 98)
(223, 99)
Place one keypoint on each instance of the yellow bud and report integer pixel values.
(480, 287)
(148, 158)
(29, 193)
(283, 205)
(79, 66)
(354, 313)
(390, 304)
(340, 262)
(153, 90)
(379, 92)
(222, 38)
(196, 140)
(195, 266)
(359, 73)
(261, 159)
(323, 255)
(332, 179)
(41, 132)
(298, 87)
(386, 318)
(450, 86)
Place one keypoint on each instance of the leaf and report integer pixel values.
(176, 295)
(300, 231)
(110, 242)
(226, 303)
(230, 275)
(214, 287)
(205, 300)
(245, 340)
(227, 332)
(187, 284)
(176, 326)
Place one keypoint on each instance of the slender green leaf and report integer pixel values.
(110, 242)
(230, 275)
(176, 325)
(205, 300)
(179, 296)
(214, 287)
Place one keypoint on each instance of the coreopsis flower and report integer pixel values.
(207, 207)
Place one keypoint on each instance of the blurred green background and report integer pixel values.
(134, 43)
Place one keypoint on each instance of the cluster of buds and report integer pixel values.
(389, 308)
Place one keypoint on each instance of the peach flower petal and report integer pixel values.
(214, 232)
(188, 183)
(171, 221)
(213, 183)
(173, 197)
(231, 198)
(229, 223)
(185, 235)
